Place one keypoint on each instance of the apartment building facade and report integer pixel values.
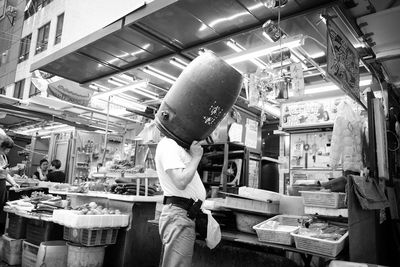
(11, 23)
(49, 25)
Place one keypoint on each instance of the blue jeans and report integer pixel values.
(177, 234)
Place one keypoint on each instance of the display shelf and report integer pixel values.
(220, 153)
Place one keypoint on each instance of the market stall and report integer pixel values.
(97, 219)
(300, 67)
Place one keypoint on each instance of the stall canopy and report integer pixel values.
(157, 41)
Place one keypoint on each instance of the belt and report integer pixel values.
(181, 202)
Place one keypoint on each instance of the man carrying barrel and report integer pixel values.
(183, 194)
(191, 110)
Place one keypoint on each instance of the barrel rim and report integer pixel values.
(169, 134)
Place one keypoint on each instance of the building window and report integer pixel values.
(19, 89)
(34, 6)
(24, 48)
(60, 22)
(2, 91)
(33, 90)
(43, 38)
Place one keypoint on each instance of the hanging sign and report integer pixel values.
(296, 73)
(343, 61)
(309, 113)
(70, 91)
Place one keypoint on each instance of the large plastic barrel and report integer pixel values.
(200, 98)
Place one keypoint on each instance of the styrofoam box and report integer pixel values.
(258, 194)
(251, 204)
(72, 218)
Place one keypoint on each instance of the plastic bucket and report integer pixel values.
(52, 253)
(85, 256)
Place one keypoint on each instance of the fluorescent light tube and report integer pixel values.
(119, 80)
(321, 89)
(263, 50)
(178, 63)
(126, 77)
(238, 48)
(45, 136)
(146, 93)
(114, 82)
(157, 75)
(104, 88)
(120, 101)
(121, 89)
(162, 73)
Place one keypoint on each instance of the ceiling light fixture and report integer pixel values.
(146, 93)
(158, 75)
(126, 77)
(162, 73)
(115, 82)
(121, 89)
(289, 42)
(178, 63)
(119, 80)
(104, 88)
(238, 48)
(121, 101)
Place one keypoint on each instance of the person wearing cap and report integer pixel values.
(183, 188)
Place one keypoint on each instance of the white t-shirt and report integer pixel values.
(169, 155)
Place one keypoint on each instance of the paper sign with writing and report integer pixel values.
(343, 61)
(296, 73)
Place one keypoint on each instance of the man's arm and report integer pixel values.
(182, 177)
(11, 181)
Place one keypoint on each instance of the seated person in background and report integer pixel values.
(56, 175)
(42, 170)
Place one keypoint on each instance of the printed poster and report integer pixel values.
(251, 133)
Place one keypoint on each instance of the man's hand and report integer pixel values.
(16, 186)
(196, 151)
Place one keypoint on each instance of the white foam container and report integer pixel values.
(72, 218)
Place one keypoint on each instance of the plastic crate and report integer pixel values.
(320, 246)
(29, 254)
(91, 237)
(38, 231)
(11, 250)
(279, 236)
(16, 226)
(323, 199)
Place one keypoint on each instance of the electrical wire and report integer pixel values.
(32, 151)
(315, 40)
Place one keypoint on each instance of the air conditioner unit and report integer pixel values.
(4, 57)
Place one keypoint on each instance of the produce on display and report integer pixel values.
(93, 208)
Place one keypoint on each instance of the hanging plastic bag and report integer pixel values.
(346, 139)
(213, 231)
